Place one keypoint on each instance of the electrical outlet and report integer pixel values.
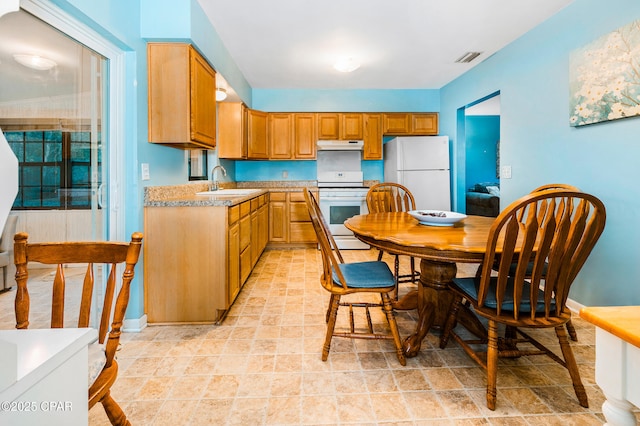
(145, 171)
(285, 174)
(505, 172)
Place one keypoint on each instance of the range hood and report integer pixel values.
(336, 145)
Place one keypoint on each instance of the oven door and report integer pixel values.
(338, 208)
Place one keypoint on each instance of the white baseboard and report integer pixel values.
(574, 306)
(135, 325)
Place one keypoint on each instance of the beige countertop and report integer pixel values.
(185, 195)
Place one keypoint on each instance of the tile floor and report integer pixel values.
(262, 366)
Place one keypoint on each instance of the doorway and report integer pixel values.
(479, 126)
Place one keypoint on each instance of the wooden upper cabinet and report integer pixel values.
(328, 126)
(424, 123)
(304, 136)
(232, 130)
(350, 126)
(181, 97)
(396, 123)
(342, 126)
(257, 144)
(280, 136)
(405, 123)
(372, 137)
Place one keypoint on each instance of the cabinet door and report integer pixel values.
(351, 126)
(280, 136)
(396, 124)
(233, 263)
(255, 238)
(304, 136)
(232, 130)
(328, 126)
(168, 92)
(278, 217)
(372, 137)
(203, 100)
(257, 134)
(424, 123)
(263, 227)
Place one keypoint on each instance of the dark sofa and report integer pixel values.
(483, 199)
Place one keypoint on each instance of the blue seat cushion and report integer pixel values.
(371, 274)
(470, 287)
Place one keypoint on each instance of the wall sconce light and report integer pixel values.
(221, 94)
(34, 62)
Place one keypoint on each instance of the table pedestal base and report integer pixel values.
(433, 299)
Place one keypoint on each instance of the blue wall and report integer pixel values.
(532, 76)
(482, 135)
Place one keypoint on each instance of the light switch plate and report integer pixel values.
(145, 171)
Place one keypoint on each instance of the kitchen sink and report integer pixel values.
(229, 192)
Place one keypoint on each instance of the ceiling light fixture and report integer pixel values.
(346, 65)
(34, 62)
(221, 94)
(7, 6)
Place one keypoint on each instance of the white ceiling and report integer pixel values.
(401, 44)
(292, 44)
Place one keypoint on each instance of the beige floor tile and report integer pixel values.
(263, 366)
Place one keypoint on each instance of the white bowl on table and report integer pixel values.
(436, 217)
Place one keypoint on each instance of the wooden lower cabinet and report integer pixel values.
(196, 259)
(289, 221)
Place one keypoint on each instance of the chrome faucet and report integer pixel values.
(215, 185)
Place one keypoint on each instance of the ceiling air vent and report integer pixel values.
(467, 57)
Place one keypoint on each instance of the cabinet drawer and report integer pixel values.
(234, 214)
(298, 212)
(296, 197)
(255, 203)
(277, 196)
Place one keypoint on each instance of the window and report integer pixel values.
(55, 169)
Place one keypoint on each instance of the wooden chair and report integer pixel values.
(340, 279)
(570, 328)
(393, 197)
(102, 363)
(556, 228)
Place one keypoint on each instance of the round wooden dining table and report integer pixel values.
(439, 249)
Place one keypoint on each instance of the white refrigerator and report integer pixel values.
(420, 163)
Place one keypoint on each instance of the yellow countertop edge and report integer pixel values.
(621, 321)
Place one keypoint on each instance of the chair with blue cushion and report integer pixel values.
(551, 233)
(393, 197)
(340, 279)
(570, 328)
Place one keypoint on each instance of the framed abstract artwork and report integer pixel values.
(604, 77)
